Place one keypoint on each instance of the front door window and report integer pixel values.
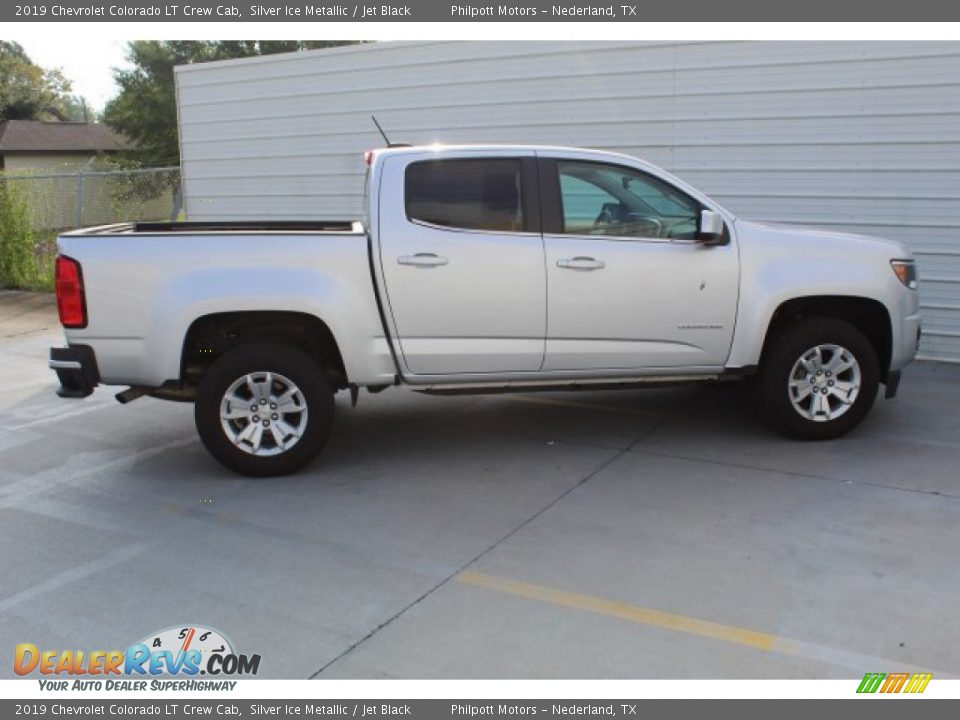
(615, 201)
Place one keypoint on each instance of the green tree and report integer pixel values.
(77, 109)
(28, 91)
(145, 109)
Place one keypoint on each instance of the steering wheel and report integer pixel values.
(632, 225)
(646, 221)
(604, 219)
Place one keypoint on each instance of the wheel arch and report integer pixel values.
(868, 315)
(210, 336)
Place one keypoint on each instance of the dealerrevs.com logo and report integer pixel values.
(187, 651)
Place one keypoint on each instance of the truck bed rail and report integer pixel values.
(274, 227)
(247, 226)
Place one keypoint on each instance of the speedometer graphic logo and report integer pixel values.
(192, 650)
(202, 642)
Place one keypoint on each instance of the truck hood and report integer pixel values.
(792, 236)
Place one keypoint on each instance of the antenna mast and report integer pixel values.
(385, 138)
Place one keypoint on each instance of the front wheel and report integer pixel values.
(819, 378)
(264, 409)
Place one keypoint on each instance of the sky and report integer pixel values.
(87, 64)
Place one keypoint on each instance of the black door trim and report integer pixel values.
(530, 195)
(551, 207)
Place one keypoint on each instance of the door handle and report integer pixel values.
(581, 263)
(422, 260)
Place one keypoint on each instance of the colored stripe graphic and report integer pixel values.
(871, 682)
(894, 682)
(918, 682)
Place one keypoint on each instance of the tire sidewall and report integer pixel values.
(286, 360)
(780, 359)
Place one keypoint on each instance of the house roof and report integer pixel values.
(39, 136)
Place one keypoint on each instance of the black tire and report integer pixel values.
(784, 351)
(284, 360)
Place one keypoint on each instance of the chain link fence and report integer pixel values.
(35, 208)
(66, 201)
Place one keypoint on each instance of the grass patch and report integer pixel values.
(26, 256)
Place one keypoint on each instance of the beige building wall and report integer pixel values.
(45, 162)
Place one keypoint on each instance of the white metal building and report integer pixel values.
(859, 137)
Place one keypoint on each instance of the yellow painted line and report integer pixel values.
(624, 611)
(620, 410)
(838, 657)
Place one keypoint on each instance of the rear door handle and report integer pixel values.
(422, 260)
(581, 263)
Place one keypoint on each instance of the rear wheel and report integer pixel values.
(819, 378)
(264, 409)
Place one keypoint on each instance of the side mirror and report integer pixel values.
(711, 231)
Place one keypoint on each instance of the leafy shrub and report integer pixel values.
(23, 262)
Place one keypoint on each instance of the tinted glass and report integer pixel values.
(601, 199)
(482, 194)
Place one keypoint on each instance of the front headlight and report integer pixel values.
(906, 271)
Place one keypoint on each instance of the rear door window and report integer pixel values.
(468, 194)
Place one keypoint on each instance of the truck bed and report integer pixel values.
(147, 283)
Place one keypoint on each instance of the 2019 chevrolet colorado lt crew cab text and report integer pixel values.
(482, 269)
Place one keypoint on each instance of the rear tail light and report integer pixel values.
(71, 303)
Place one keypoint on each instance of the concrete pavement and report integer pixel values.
(658, 533)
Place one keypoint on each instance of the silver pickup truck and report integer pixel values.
(482, 269)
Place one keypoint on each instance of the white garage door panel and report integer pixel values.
(883, 212)
(944, 265)
(313, 185)
(322, 113)
(767, 68)
(859, 137)
(915, 183)
(303, 165)
(864, 157)
(937, 291)
(584, 122)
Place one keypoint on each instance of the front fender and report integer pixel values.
(770, 278)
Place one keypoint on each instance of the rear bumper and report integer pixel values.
(76, 368)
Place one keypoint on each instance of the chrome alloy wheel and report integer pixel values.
(263, 413)
(824, 383)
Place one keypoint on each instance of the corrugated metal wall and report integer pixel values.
(860, 137)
